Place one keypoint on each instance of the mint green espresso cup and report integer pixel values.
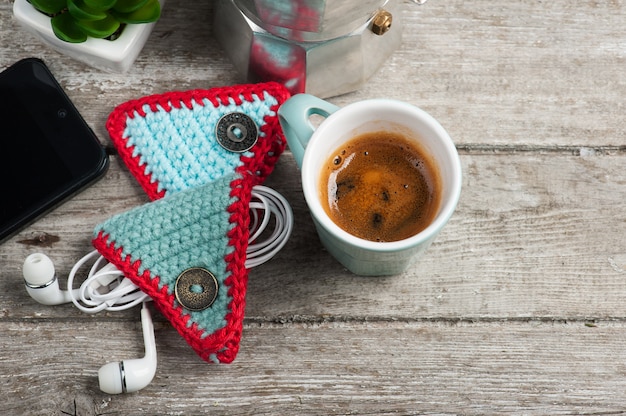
(313, 146)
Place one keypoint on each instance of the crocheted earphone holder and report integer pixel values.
(197, 155)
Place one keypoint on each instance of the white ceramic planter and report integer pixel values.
(115, 56)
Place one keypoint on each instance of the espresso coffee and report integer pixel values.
(380, 186)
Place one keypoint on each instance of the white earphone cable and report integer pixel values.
(106, 288)
(269, 202)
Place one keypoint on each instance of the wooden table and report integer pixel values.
(517, 308)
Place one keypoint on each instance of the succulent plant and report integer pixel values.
(76, 20)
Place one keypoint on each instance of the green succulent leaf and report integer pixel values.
(51, 7)
(65, 28)
(101, 5)
(127, 6)
(99, 28)
(80, 11)
(149, 12)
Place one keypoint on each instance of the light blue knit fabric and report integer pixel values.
(182, 230)
(178, 146)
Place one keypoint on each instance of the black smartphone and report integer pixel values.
(47, 150)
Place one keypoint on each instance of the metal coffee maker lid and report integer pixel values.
(322, 47)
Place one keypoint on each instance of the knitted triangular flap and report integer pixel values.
(198, 221)
(168, 141)
(200, 227)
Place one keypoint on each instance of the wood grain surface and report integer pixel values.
(517, 308)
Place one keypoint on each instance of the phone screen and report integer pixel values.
(47, 151)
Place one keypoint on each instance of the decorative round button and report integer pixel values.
(196, 289)
(236, 132)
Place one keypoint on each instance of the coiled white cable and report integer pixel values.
(269, 203)
(106, 288)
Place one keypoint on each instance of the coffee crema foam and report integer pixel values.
(380, 186)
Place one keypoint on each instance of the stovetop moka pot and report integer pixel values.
(322, 47)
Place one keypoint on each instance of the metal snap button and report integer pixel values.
(196, 288)
(236, 132)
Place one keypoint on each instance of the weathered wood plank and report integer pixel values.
(533, 368)
(546, 74)
(534, 235)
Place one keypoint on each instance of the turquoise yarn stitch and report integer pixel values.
(178, 147)
(182, 230)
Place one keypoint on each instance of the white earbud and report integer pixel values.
(106, 288)
(132, 375)
(41, 281)
(43, 286)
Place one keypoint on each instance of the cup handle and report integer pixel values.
(294, 117)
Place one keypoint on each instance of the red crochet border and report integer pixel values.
(271, 146)
(223, 343)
